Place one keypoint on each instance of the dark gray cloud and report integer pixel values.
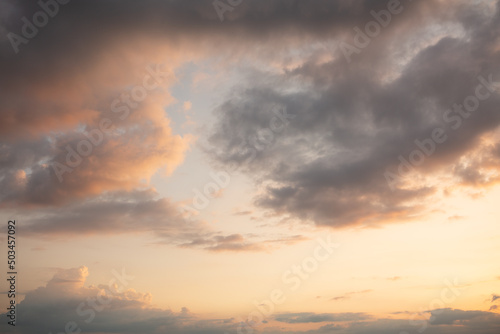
(116, 212)
(353, 121)
(140, 211)
(451, 316)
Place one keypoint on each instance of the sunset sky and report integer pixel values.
(251, 166)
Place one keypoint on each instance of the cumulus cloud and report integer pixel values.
(353, 122)
(105, 308)
(451, 316)
(66, 301)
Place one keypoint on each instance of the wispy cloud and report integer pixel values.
(349, 295)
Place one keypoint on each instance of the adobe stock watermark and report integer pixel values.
(372, 29)
(292, 279)
(260, 141)
(455, 117)
(40, 19)
(222, 6)
(88, 308)
(122, 107)
(448, 295)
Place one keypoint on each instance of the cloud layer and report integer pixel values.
(352, 121)
(357, 126)
(116, 308)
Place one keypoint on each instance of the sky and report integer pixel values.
(251, 166)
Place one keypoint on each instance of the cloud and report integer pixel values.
(111, 213)
(308, 317)
(117, 308)
(480, 323)
(349, 295)
(353, 122)
(455, 217)
(243, 213)
(105, 308)
(186, 106)
(452, 316)
(350, 125)
(108, 169)
(239, 243)
(494, 298)
(81, 70)
(220, 243)
(142, 211)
